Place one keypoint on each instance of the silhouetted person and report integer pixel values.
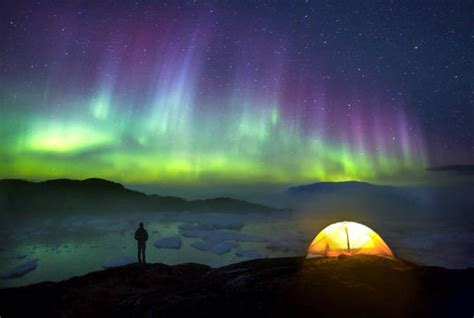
(141, 235)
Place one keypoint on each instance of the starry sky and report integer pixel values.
(209, 92)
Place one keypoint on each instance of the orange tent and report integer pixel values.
(348, 238)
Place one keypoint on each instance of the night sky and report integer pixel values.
(196, 92)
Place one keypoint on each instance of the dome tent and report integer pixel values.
(348, 238)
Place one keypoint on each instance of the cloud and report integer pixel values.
(459, 169)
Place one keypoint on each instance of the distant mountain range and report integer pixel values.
(446, 200)
(62, 196)
(356, 190)
(350, 191)
(349, 186)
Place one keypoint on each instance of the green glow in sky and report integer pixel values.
(172, 144)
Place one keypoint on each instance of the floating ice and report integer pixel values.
(221, 235)
(282, 245)
(192, 231)
(212, 221)
(20, 270)
(249, 253)
(116, 262)
(168, 242)
(215, 247)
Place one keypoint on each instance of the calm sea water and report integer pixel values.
(72, 246)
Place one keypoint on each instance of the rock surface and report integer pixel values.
(359, 286)
(122, 261)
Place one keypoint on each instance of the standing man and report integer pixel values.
(141, 235)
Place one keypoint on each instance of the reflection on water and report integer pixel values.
(72, 246)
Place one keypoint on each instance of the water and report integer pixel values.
(73, 246)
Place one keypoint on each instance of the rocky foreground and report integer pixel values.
(360, 286)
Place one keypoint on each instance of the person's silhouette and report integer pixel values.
(141, 235)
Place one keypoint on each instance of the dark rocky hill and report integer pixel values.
(63, 196)
(360, 286)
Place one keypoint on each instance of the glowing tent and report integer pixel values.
(348, 238)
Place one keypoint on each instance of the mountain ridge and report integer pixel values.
(19, 197)
(325, 187)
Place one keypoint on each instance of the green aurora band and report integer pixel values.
(173, 144)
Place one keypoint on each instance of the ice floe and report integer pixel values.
(220, 235)
(282, 245)
(249, 253)
(20, 270)
(215, 247)
(169, 242)
(213, 220)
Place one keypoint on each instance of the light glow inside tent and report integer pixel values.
(348, 238)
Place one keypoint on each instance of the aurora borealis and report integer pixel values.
(209, 92)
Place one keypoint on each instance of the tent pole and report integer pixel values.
(348, 243)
